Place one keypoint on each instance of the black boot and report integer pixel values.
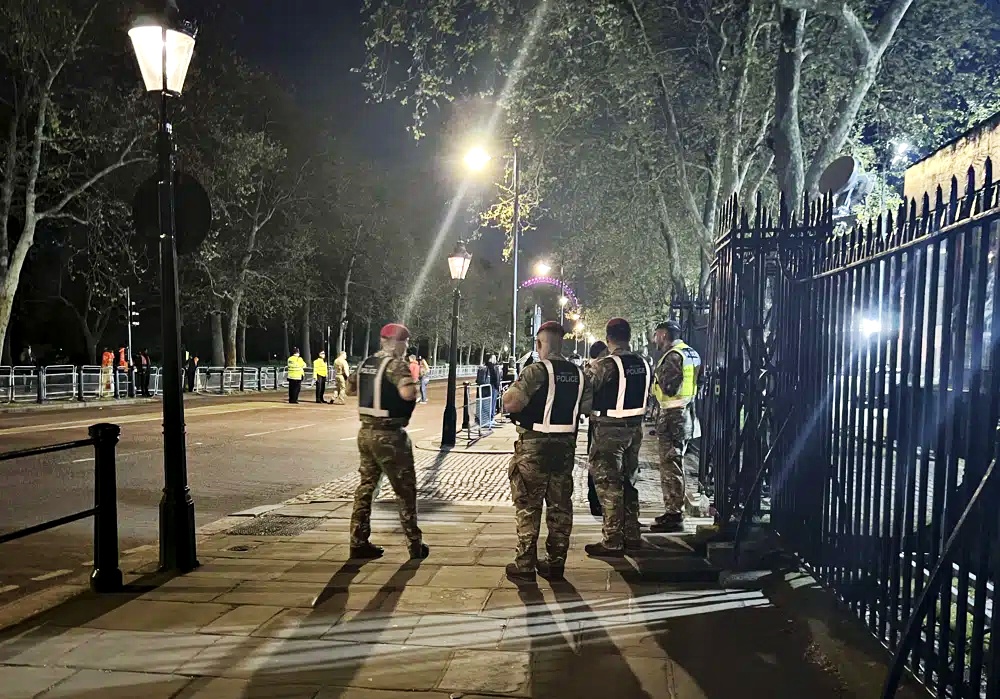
(668, 524)
(418, 551)
(518, 576)
(367, 550)
(551, 572)
(602, 551)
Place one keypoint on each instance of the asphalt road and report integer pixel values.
(242, 452)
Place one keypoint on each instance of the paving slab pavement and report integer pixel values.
(275, 616)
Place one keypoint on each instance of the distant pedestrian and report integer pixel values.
(319, 373)
(493, 371)
(296, 372)
(544, 402)
(28, 360)
(143, 367)
(191, 373)
(107, 367)
(341, 370)
(425, 378)
(414, 366)
(386, 395)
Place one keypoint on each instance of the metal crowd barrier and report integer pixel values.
(106, 575)
(29, 384)
(481, 424)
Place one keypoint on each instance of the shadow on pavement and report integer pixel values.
(348, 649)
(601, 669)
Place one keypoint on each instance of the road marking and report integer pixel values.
(120, 456)
(284, 429)
(53, 574)
(8, 588)
(147, 417)
(347, 439)
(137, 549)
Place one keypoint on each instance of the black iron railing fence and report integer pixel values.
(106, 575)
(853, 398)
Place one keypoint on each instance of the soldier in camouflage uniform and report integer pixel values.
(675, 385)
(545, 403)
(386, 395)
(614, 452)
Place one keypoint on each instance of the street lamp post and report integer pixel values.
(516, 228)
(458, 265)
(163, 48)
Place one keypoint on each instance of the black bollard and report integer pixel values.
(107, 574)
(40, 385)
(79, 383)
(465, 405)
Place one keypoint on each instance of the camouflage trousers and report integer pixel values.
(541, 471)
(671, 437)
(388, 452)
(614, 463)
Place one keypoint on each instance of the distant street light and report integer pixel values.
(163, 48)
(476, 159)
(458, 265)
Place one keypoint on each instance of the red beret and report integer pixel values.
(395, 331)
(551, 325)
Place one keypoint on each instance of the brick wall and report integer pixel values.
(954, 159)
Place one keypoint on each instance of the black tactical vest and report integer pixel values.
(624, 395)
(377, 395)
(554, 408)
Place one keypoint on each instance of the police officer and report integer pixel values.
(545, 403)
(296, 372)
(319, 374)
(386, 394)
(621, 385)
(675, 386)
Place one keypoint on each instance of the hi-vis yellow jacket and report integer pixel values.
(296, 367)
(689, 384)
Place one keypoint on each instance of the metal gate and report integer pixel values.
(852, 402)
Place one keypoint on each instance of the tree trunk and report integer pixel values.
(12, 275)
(235, 311)
(368, 338)
(306, 352)
(434, 352)
(350, 339)
(284, 340)
(218, 343)
(241, 344)
(788, 157)
(482, 355)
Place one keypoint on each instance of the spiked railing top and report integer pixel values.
(846, 245)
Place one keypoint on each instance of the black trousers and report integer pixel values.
(294, 386)
(142, 378)
(190, 381)
(591, 490)
(320, 388)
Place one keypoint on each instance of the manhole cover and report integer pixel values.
(275, 525)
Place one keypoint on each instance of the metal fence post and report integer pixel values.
(79, 383)
(131, 382)
(465, 405)
(115, 381)
(107, 574)
(242, 370)
(40, 385)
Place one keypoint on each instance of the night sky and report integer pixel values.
(313, 46)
